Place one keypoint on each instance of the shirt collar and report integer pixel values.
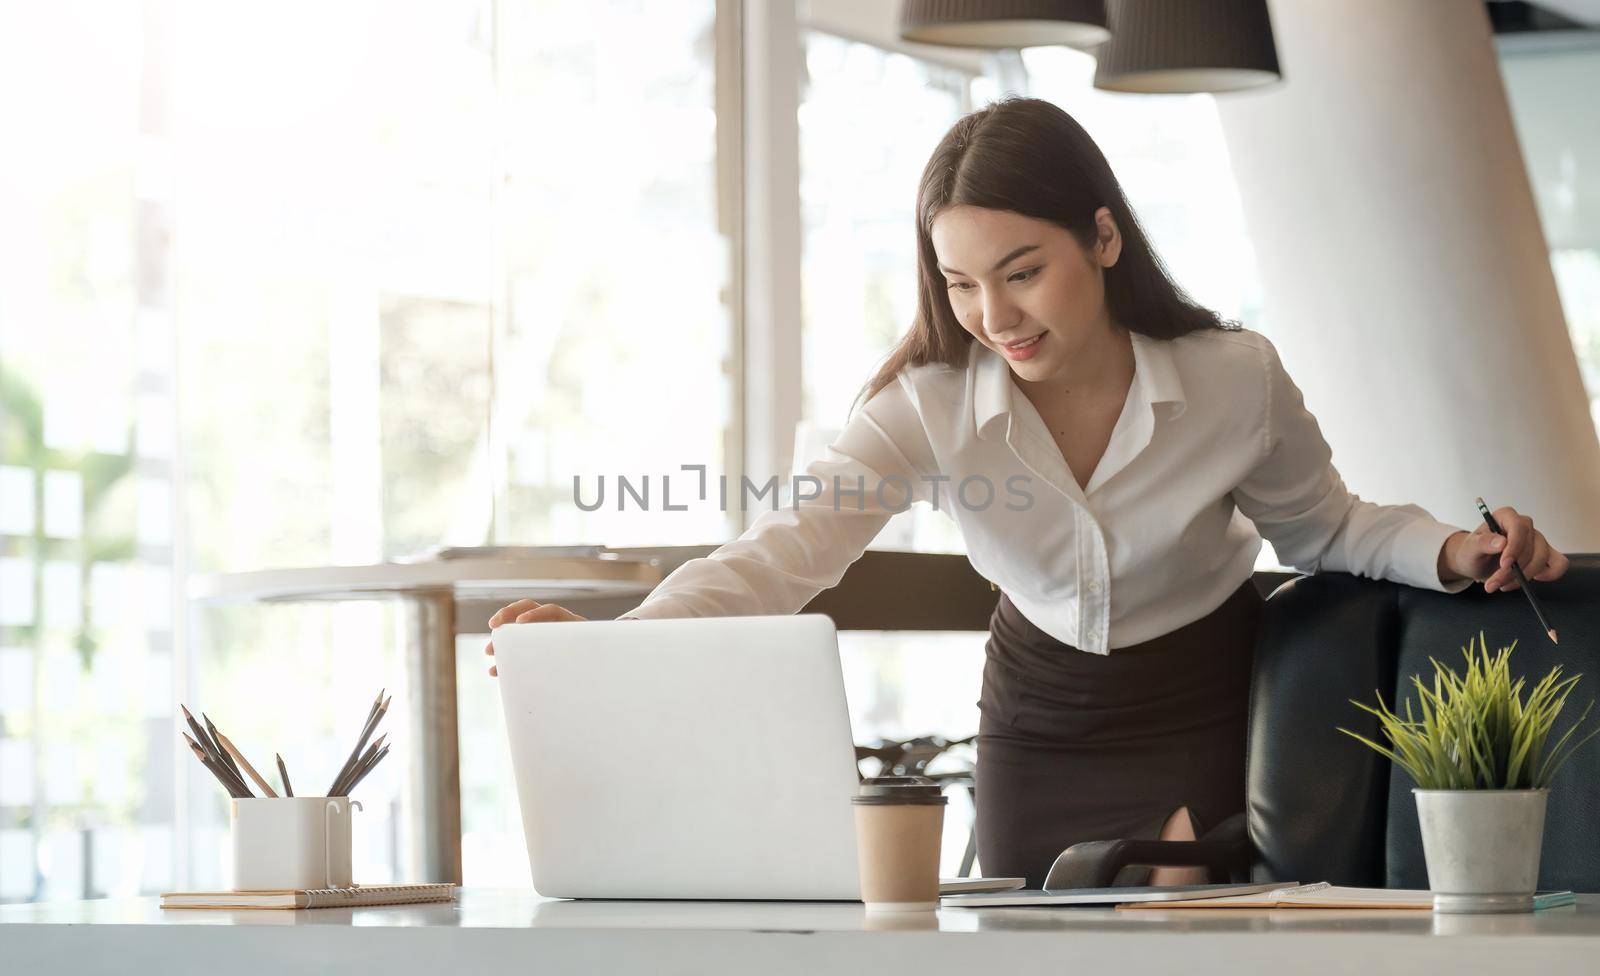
(1155, 379)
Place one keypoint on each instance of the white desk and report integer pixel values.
(511, 931)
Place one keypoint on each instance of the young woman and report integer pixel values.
(1110, 451)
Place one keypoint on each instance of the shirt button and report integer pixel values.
(1094, 635)
(1094, 587)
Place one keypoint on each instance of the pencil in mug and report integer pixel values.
(342, 788)
(374, 716)
(224, 755)
(216, 740)
(1516, 570)
(238, 756)
(283, 774)
(215, 769)
(210, 751)
(203, 737)
(362, 774)
(361, 740)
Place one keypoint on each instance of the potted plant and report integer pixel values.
(1480, 756)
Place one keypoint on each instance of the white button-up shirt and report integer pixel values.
(1214, 449)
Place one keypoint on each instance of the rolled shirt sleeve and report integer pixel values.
(1300, 504)
(786, 557)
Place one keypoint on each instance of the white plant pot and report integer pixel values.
(1482, 848)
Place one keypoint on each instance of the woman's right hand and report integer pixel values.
(526, 612)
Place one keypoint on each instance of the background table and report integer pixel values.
(439, 599)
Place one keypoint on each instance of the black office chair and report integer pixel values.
(1321, 806)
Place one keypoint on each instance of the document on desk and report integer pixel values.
(1326, 895)
(1165, 894)
(951, 886)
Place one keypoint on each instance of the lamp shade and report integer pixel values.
(1187, 46)
(1004, 23)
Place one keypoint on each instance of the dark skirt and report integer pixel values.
(1075, 746)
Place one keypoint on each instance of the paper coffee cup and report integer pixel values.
(899, 824)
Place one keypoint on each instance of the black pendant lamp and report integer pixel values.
(1173, 46)
(1004, 23)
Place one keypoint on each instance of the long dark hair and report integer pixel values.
(1028, 156)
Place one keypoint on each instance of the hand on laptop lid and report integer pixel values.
(525, 612)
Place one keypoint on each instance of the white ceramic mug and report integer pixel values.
(291, 842)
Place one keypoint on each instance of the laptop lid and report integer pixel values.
(683, 758)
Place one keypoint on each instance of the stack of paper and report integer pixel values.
(1325, 895)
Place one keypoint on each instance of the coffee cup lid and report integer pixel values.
(887, 790)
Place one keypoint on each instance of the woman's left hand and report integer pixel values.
(1487, 556)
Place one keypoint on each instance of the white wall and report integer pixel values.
(1405, 275)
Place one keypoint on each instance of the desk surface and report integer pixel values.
(489, 928)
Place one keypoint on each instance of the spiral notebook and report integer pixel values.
(354, 897)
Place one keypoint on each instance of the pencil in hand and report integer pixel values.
(1516, 570)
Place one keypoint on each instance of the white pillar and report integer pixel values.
(1406, 279)
(771, 340)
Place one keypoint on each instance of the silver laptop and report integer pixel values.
(686, 758)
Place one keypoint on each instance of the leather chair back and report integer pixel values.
(1324, 807)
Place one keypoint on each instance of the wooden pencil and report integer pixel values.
(379, 707)
(233, 751)
(344, 783)
(366, 769)
(217, 738)
(366, 757)
(283, 774)
(235, 784)
(216, 770)
(221, 776)
(366, 727)
(210, 747)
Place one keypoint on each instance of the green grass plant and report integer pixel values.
(1475, 730)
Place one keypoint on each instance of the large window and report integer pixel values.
(1560, 137)
(613, 353)
(87, 473)
(332, 286)
(868, 120)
